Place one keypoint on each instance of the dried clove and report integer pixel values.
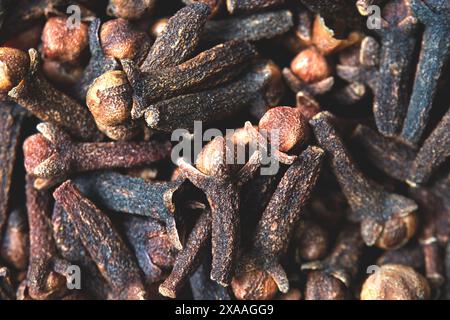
(310, 241)
(331, 278)
(434, 151)
(44, 282)
(410, 255)
(275, 229)
(398, 42)
(105, 246)
(11, 123)
(435, 15)
(152, 246)
(395, 282)
(184, 28)
(388, 220)
(31, 90)
(259, 87)
(242, 6)
(52, 155)
(117, 192)
(190, 257)
(208, 69)
(6, 284)
(204, 289)
(254, 27)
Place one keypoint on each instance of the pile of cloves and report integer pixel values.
(120, 177)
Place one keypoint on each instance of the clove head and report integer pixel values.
(322, 286)
(121, 41)
(395, 282)
(63, 43)
(290, 125)
(254, 285)
(310, 65)
(129, 10)
(109, 98)
(14, 65)
(393, 233)
(212, 159)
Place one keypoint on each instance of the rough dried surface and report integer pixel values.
(11, 122)
(322, 286)
(190, 257)
(15, 243)
(435, 150)
(251, 28)
(184, 29)
(435, 48)
(121, 193)
(103, 243)
(388, 219)
(239, 6)
(203, 288)
(395, 282)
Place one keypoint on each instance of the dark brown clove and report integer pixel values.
(184, 28)
(44, 282)
(120, 193)
(190, 257)
(388, 220)
(104, 245)
(11, 123)
(215, 6)
(435, 15)
(14, 248)
(204, 289)
(244, 6)
(310, 241)
(254, 27)
(275, 229)
(331, 278)
(259, 87)
(208, 69)
(434, 151)
(53, 155)
(152, 246)
(395, 282)
(398, 42)
(410, 255)
(32, 91)
(6, 284)
(390, 156)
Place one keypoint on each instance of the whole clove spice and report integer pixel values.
(14, 248)
(204, 289)
(275, 229)
(104, 245)
(310, 241)
(435, 15)
(52, 155)
(398, 42)
(388, 220)
(129, 9)
(120, 193)
(434, 151)
(31, 90)
(240, 6)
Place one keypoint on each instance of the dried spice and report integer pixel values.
(157, 200)
(11, 123)
(276, 227)
(410, 255)
(104, 245)
(32, 91)
(204, 289)
(396, 57)
(52, 155)
(435, 15)
(254, 27)
(129, 9)
(434, 151)
(189, 259)
(6, 284)
(387, 219)
(395, 282)
(310, 241)
(239, 6)
(331, 278)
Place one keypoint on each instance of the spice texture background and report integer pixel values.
(349, 98)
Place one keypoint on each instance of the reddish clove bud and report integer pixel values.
(130, 10)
